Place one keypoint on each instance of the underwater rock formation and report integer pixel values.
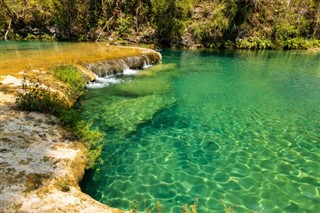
(126, 115)
(144, 86)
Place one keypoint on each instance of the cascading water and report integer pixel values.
(115, 69)
(101, 82)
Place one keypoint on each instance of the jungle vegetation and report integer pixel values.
(249, 24)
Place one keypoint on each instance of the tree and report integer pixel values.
(171, 20)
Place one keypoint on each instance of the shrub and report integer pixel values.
(300, 43)
(124, 26)
(254, 43)
(210, 28)
(36, 97)
(92, 139)
(70, 75)
(171, 20)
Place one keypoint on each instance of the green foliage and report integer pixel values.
(124, 26)
(44, 37)
(300, 43)
(210, 28)
(85, 133)
(92, 138)
(171, 20)
(254, 43)
(70, 75)
(37, 97)
(209, 23)
(70, 18)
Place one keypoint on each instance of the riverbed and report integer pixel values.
(224, 129)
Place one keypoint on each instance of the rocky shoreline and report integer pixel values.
(41, 164)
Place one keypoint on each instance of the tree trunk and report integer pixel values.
(8, 29)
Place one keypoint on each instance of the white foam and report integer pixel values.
(128, 71)
(101, 82)
(109, 79)
(146, 66)
(93, 85)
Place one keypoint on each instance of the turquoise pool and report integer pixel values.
(237, 129)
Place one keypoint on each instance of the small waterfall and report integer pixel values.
(145, 66)
(128, 71)
(105, 72)
(126, 65)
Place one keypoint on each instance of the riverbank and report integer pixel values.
(263, 24)
(41, 165)
(41, 162)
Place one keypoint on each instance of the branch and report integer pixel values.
(104, 27)
(9, 13)
(8, 29)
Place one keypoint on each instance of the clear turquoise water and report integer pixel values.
(235, 129)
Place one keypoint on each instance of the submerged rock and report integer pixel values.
(155, 69)
(149, 81)
(126, 115)
(144, 86)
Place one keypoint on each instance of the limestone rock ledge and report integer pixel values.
(117, 65)
(40, 164)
